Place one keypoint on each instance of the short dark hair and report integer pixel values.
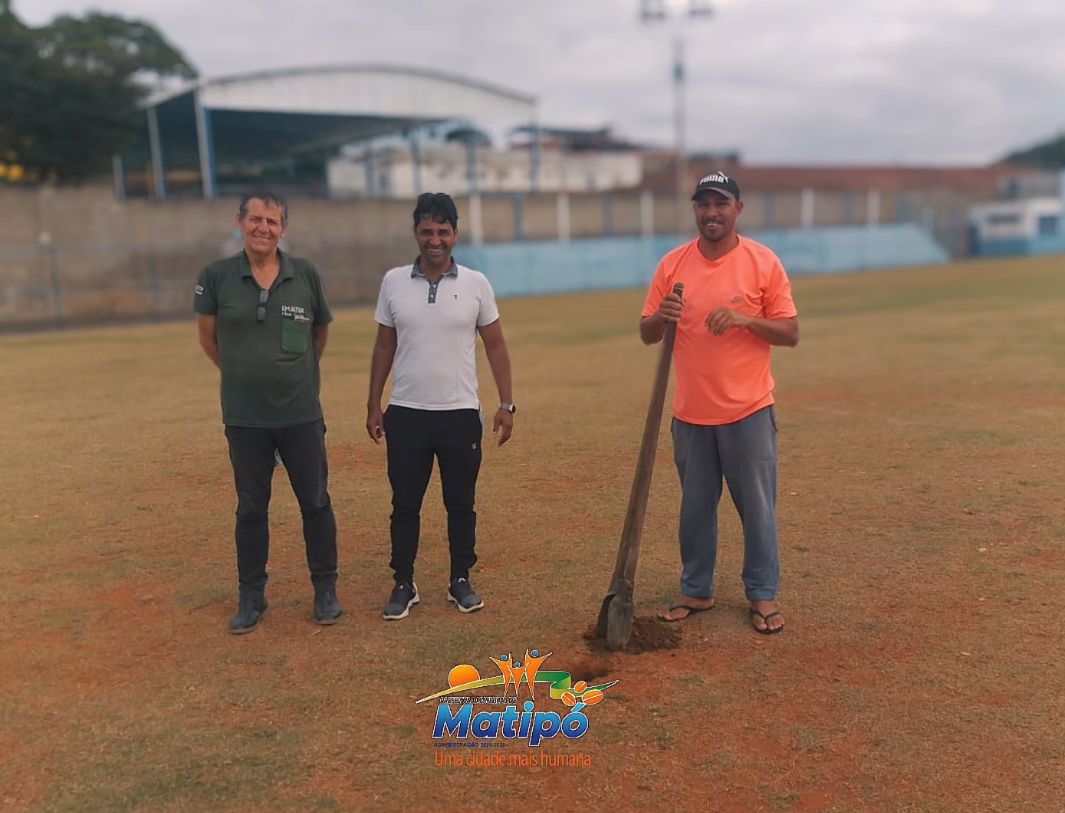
(266, 196)
(438, 206)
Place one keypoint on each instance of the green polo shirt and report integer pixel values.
(270, 374)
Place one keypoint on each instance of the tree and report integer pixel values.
(18, 63)
(1048, 155)
(70, 90)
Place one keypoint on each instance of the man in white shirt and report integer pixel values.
(428, 317)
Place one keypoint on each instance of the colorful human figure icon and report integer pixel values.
(506, 668)
(514, 672)
(533, 661)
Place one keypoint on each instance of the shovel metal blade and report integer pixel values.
(617, 585)
(614, 624)
(619, 620)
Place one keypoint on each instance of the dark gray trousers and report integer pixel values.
(744, 453)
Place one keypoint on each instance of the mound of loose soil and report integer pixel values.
(648, 635)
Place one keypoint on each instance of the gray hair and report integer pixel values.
(267, 197)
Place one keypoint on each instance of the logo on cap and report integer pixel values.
(717, 177)
(717, 182)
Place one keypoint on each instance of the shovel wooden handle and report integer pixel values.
(631, 532)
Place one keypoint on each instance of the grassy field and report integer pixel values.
(922, 462)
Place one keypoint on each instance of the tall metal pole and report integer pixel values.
(656, 11)
(679, 123)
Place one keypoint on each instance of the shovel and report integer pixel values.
(616, 614)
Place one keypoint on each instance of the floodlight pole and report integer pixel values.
(679, 121)
(652, 11)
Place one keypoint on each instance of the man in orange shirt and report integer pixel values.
(736, 304)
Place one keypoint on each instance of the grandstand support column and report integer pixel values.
(562, 211)
(608, 215)
(872, 207)
(205, 147)
(647, 213)
(155, 147)
(806, 208)
(118, 174)
(519, 219)
(476, 221)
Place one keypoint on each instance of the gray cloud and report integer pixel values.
(920, 81)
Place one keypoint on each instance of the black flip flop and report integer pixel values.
(768, 630)
(692, 610)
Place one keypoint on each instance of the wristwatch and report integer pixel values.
(508, 408)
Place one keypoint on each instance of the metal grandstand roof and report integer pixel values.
(266, 121)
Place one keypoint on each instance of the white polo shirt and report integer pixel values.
(435, 366)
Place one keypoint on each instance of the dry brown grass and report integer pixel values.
(923, 544)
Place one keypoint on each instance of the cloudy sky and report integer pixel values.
(782, 81)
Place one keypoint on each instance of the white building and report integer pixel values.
(394, 171)
(1020, 219)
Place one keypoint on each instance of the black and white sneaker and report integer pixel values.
(462, 594)
(404, 596)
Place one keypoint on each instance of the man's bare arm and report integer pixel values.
(384, 352)
(780, 332)
(208, 337)
(653, 327)
(495, 348)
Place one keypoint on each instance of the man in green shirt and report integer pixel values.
(264, 322)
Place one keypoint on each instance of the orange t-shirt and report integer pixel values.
(722, 379)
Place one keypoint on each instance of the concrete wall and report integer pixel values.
(77, 254)
(90, 216)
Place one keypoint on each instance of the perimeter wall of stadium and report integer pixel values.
(79, 256)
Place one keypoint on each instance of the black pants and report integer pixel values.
(414, 437)
(302, 449)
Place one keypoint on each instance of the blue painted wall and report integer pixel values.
(517, 269)
(1045, 244)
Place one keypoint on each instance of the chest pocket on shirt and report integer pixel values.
(295, 333)
(752, 304)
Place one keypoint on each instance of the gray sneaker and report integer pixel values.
(404, 596)
(462, 594)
